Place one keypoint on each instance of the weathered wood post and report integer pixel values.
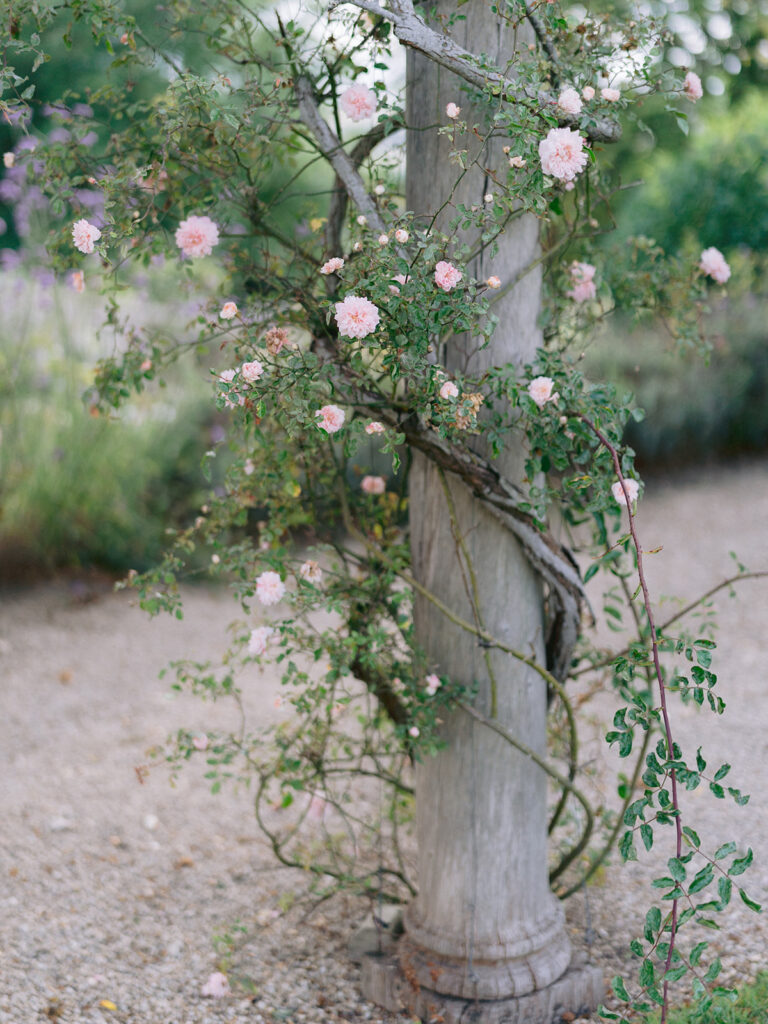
(485, 939)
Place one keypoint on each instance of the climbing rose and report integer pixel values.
(692, 87)
(611, 95)
(332, 265)
(452, 110)
(494, 282)
(449, 390)
(373, 484)
(401, 279)
(228, 311)
(250, 372)
(200, 742)
(446, 275)
(633, 488)
(196, 236)
(332, 418)
(562, 154)
(356, 317)
(216, 986)
(357, 102)
(713, 263)
(588, 93)
(383, 239)
(569, 101)
(433, 684)
(540, 390)
(413, 731)
(77, 280)
(516, 161)
(374, 427)
(276, 339)
(402, 236)
(269, 587)
(257, 642)
(9, 159)
(84, 235)
(584, 287)
(380, 189)
(311, 572)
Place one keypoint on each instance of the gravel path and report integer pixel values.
(115, 892)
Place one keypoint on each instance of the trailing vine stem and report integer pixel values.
(611, 448)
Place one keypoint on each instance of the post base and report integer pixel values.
(575, 993)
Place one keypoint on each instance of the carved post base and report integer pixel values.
(385, 982)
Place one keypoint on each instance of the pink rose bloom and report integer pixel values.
(383, 239)
(712, 262)
(249, 467)
(373, 484)
(84, 235)
(311, 572)
(413, 731)
(633, 489)
(77, 281)
(356, 317)
(228, 311)
(569, 101)
(692, 87)
(200, 742)
(611, 95)
(449, 390)
(588, 93)
(374, 427)
(257, 642)
(540, 390)
(357, 102)
(269, 588)
(584, 288)
(146, 365)
(446, 275)
(276, 339)
(562, 154)
(494, 282)
(433, 684)
(331, 418)
(402, 236)
(334, 264)
(516, 161)
(452, 111)
(250, 372)
(401, 279)
(217, 986)
(196, 236)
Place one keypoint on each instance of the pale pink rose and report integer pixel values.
(269, 588)
(588, 93)
(357, 247)
(332, 265)
(331, 418)
(374, 427)
(276, 339)
(402, 236)
(217, 986)
(452, 111)
(449, 390)
(692, 87)
(232, 399)
(9, 159)
(584, 288)
(373, 484)
(200, 742)
(311, 572)
(383, 239)
(146, 365)
(401, 279)
(712, 262)
(357, 102)
(249, 467)
(77, 281)
(493, 281)
(257, 642)
(228, 311)
(196, 236)
(380, 189)
(250, 372)
(610, 95)
(446, 275)
(569, 101)
(569, 186)
(433, 684)
(227, 375)
(356, 317)
(633, 489)
(562, 154)
(516, 161)
(488, 197)
(215, 559)
(413, 731)
(362, 220)
(84, 235)
(540, 390)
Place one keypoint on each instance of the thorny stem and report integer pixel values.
(662, 688)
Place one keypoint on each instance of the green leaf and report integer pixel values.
(750, 903)
(619, 989)
(713, 970)
(693, 836)
(724, 887)
(696, 952)
(676, 973)
(702, 879)
(646, 834)
(724, 850)
(652, 923)
(739, 866)
(721, 772)
(676, 869)
(647, 974)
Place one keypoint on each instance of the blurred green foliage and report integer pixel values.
(750, 1007)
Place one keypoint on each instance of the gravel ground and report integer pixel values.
(114, 890)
